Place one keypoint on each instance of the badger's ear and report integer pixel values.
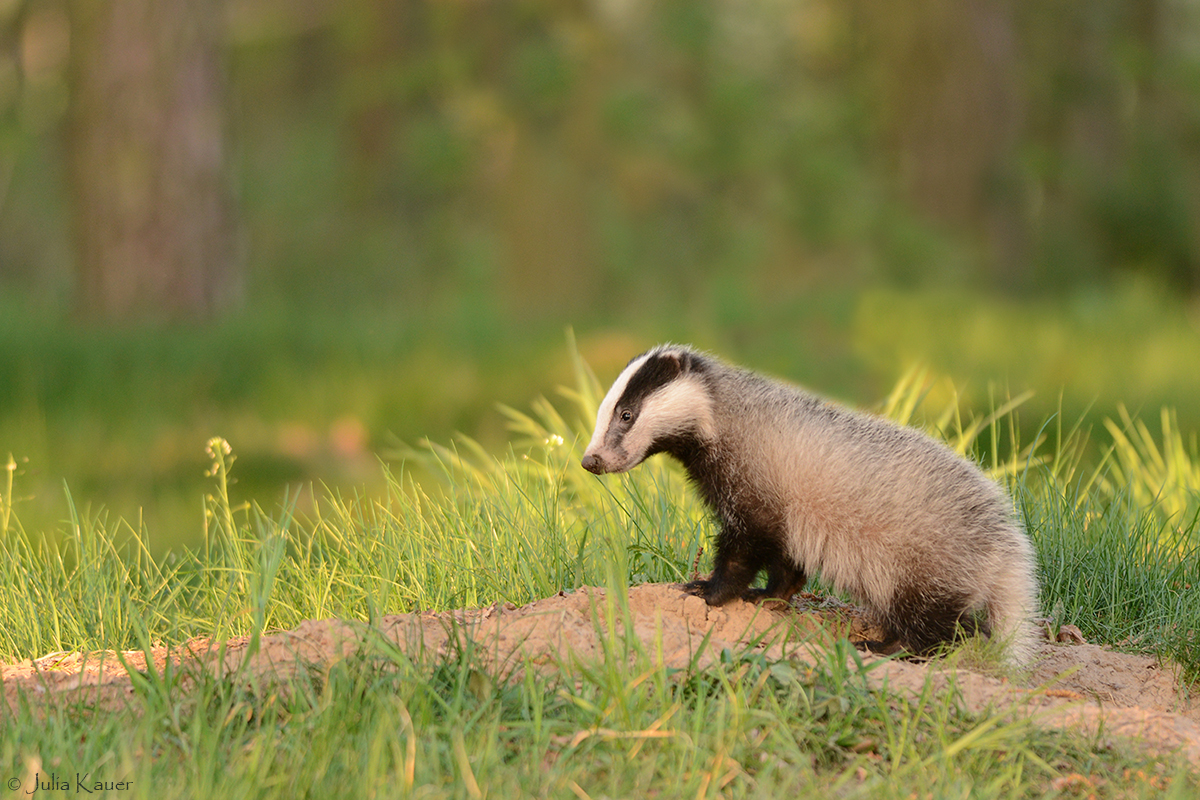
(690, 362)
(674, 365)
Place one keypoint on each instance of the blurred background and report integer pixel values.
(323, 229)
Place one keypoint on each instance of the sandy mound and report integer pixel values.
(1081, 686)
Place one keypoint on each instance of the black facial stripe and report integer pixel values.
(656, 372)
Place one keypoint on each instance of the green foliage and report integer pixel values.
(902, 404)
(1092, 352)
(1166, 478)
(1120, 572)
(823, 141)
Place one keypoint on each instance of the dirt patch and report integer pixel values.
(1072, 685)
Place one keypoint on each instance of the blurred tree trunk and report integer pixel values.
(153, 222)
(951, 108)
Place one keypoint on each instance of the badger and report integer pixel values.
(800, 485)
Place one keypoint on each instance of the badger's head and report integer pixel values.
(660, 402)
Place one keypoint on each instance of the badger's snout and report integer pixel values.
(593, 464)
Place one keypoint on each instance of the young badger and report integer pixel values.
(799, 485)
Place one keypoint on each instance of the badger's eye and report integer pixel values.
(626, 415)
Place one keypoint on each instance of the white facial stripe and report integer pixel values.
(681, 405)
(609, 404)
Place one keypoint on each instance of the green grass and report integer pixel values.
(521, 527)
(311, 394)
(382, 724)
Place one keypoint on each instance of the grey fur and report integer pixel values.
(800, 485)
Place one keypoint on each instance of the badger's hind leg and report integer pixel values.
(920, 622)
(784, 579)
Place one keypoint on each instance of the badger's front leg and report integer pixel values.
(744, 548)
(729, 580)
(740, 556)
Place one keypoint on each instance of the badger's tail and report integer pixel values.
(1011, 602)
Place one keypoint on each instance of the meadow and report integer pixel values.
(996, 244)
(1117, 539)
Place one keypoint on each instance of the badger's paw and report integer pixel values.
(715, 593)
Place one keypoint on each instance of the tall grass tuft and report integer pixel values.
(1118, 571)
(1164, 477)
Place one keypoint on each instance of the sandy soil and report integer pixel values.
(1074, 685)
